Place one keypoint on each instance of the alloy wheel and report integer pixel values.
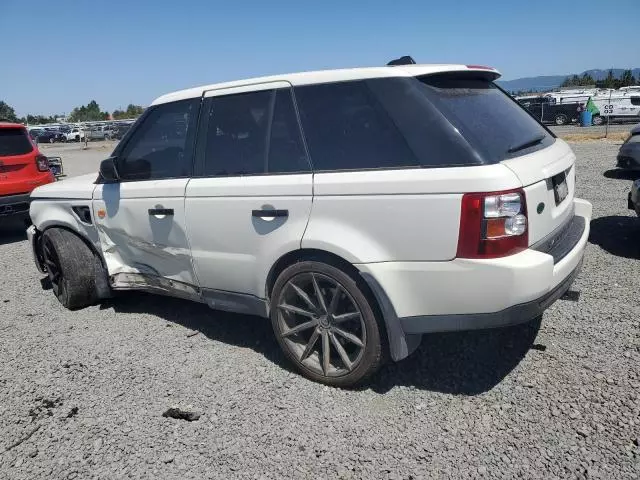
(320, 323)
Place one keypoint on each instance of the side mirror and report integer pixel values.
(109, 170)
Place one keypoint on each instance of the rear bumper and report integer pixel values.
(509, 316)
(14, 204)
(467, 294)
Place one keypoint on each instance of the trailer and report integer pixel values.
(614, 104)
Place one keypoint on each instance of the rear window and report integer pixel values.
(432, 121)
(495, 125)
(14, 141)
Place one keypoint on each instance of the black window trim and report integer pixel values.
(126, 139)
(203, 129)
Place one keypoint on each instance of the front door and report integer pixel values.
(250, 199)
(141, 218)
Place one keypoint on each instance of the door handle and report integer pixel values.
(269, 213)
(161, 211)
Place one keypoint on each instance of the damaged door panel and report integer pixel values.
(141, 226)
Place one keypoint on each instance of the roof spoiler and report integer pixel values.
(405, 60)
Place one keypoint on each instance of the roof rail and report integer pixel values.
(404, 60)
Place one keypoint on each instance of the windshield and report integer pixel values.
(495, 125)
(14, 141)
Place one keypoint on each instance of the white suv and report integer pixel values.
(358, 209)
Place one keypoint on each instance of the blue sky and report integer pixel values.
(65, 53)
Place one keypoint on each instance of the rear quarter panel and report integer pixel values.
(396, 215)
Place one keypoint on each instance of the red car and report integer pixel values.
(22, 168)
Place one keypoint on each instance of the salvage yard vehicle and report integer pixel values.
(546, 110)
(629, 153)
(357, 209)
(75, 134)
(47, 136)
(22, 168)
(100, 133)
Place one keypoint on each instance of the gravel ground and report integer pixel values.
(82, 393)
(600, 130)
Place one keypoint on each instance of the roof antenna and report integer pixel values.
(405, 60)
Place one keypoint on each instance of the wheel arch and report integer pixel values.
(102, 273)
(400, 345)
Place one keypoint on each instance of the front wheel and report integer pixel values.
(325, 324)
(70, 267)
(52, 140)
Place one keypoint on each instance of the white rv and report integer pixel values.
(616, 104)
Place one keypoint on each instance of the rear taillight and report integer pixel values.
(493, 224)
(42, 162)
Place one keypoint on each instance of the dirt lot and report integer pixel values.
(82, 393)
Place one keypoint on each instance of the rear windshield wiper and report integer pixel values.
(528, 143)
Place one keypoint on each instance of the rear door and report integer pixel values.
(141, 218)
(251, 198)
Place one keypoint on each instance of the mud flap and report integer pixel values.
(401, 345)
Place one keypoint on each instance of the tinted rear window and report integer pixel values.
(491, 121)
(14, 141)
(432, 121)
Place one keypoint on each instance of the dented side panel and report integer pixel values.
(141, 226)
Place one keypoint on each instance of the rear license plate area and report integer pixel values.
(560, 188)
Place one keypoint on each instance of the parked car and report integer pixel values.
(546, 110)
(373, 207)
(629, 153)
(47, 136)
(22, 168)
(100, 133)
(75, 134)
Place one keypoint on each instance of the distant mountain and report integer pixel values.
(549, 82)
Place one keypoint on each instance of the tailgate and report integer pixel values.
(548, 179)
(16, 153)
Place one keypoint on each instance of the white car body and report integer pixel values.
(399, 228)
(75, 134)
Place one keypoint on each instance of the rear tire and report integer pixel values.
(333, 340)
(561, 119)
(71, 267)
(598, 120)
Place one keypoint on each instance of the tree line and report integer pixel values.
(610, 81)
(90, 112)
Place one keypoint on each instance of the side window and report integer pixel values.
(286, 151)
(162, 144)
(253, 133)
(347, 129)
